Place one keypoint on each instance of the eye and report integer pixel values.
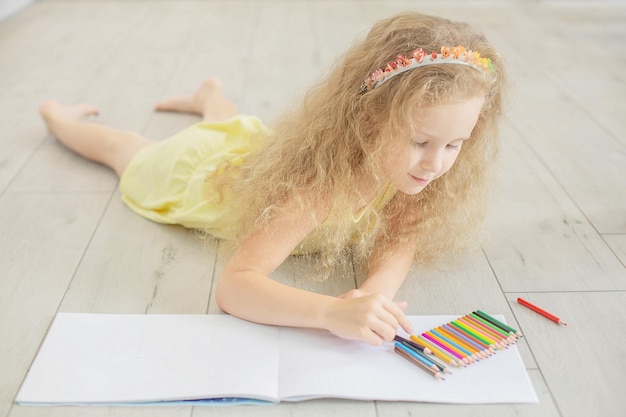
(418, 144)
(454, 145)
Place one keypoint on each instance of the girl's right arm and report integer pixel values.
(245, 289)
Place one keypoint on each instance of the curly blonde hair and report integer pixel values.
(319, 151)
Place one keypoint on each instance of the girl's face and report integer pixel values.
(434, 146)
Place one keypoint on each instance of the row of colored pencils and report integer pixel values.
(461, 342)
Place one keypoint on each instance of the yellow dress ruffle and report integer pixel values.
(173, 181)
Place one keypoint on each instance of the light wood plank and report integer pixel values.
(52, 168)
(598, 83)
(588, 161)
(133, 265)
(42, 241)
(583, 363)
(272, 82)
(207, 53)
(539, 240)
(101, 411)
(618, 244)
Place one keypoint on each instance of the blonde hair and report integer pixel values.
(318, 151)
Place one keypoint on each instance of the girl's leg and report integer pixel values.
(110, 147)
(207, 101)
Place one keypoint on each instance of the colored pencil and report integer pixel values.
(443, 368)
(460, 331)
(498, 337)
(433, 339)
(467, 338)
(402, 352)
(466, 329)
(426, 353)
(449, 350)
(498, 323)
(412, 343)
(442, 336)
(541, 311)
(461, 342)
(506, 334)
(475, 351)
(418, 353)
(477, 330)
(439, 353)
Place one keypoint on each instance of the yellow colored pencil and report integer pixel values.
(436, 350)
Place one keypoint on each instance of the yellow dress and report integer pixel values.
(172, 182)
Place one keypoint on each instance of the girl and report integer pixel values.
(387, 156)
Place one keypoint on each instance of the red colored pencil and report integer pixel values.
(541, 311)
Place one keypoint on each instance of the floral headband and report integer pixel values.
(456, 55)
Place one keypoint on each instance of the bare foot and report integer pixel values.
(53, 112)
(194, 103)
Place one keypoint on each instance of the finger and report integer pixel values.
(406, 325)
(400, 317)
(373, 338)
(402, 304)
(384, 330)
(384, 322)
(389, 314)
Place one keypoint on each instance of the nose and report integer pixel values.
(431, 160)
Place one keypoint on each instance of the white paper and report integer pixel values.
(139, 359)
(338, 368)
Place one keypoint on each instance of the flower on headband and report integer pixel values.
(457, 51)
(454, 55)
(378, 75)
(487, 64)
(419, 54)
(473, 57)
(403, 61)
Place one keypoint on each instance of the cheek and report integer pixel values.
(449, 161)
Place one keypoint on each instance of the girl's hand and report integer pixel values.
(369, 317)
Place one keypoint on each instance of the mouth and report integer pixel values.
(420, 181)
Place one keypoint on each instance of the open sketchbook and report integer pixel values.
(106, 359)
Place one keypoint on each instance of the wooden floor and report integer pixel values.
(556, 232)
